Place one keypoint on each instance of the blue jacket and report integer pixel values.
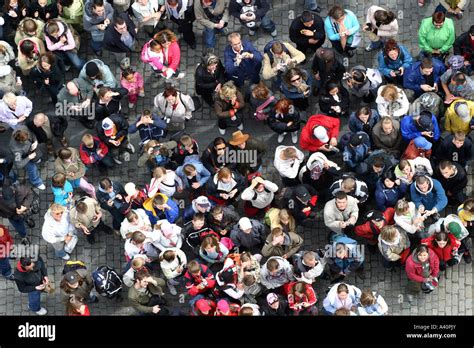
(154, 214)
(356, 125)
(352, 262)
(153, 131)
(351, 22)
(386, 64)
(61, 194)
(410, 131)
(385, 198)
(291, 92)
(247, 68)
(434, 198)
(355, 155)
(412, 78)
(202, 174)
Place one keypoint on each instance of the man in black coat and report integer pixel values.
(120, 37)
(453, 178)
(31, 277)
(456, 148)
(464, 46)
(252, 14)
(307, 32)
(108, 102)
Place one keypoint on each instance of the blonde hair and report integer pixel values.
(9, 98)
(401, 207)
(228, 90)
(56, 208)
(389, 233)
(87, 139)
(159, 172)
(367, 298)
(390, 92)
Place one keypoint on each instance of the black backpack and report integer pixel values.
(107, 281)
(268, 50)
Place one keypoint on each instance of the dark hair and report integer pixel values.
(170, 91)
(105, 183)
(219, 141)
(445, 164)
(426, 63)
(340, 195)
(358, 76)
(421, 249)
(383, 17)
(438, 17)
(336, 12)
(97, 3)
(364, 110)
(27, 47)
(58, 180)
(441, 237)
(154, 43)
(25, 261)
(330, 85)
(81, 207)
(459, 78)
(342, 288)
(307, 16)
(48, 58)
(389, 174)
(290, 73)
(66, 3)
(64, 153)
(118, 21)
(391, 45)
(328, 56)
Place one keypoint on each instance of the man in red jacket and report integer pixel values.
(199, 279)
(320, 133)
(93, 151)
(6, 244)
(372, 227)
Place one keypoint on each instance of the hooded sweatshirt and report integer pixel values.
(154, 214)
(283, 275)
(332, 302)
(27, 281)
(108, 78)
(418, 271)
(435, 197)
(91, 20)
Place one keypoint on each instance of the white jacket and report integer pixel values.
(175, 240)
(288, 168)
(386, 31)
(129, 276)
(332, 302)
(169, 268)
(183, 111)
(260, 200)
(143, 224)
(284, 275)
(397, 108)
(54, 231)
(167, 186)
(405, 222)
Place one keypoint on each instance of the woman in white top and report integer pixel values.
(392, 101)
(135, 220)
(409, 219)
(58, 231)
(165, 181)
(371, 303)
(406, 169)
(341, 296)
(380, 25)
(167, 235)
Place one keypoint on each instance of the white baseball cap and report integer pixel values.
(321, 133)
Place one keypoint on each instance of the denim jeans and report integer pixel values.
(71, 57)
(5, 267)
(19, 226)
(33, 174)
(310, 5)
(209, 36)
(34, 299)
(267, 24)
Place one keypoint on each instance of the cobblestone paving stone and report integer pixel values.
(455, 293)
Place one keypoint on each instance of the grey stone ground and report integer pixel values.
(455, 293)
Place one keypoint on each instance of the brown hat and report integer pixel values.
(238, 138)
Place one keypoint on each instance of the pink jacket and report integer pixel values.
(174, 57)
(133, 87)
(59, 46)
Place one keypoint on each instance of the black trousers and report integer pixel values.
(186, 26)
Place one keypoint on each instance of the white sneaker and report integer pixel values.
(180, 75)
(42, 311)
(131, 105)
(221, 131)
(131, 147)
(141, 94)
(41, 187)
(274, 33)
(117, 160)
(294, 137)
(172, 289)
(66, 257)
(241, 126)
(281, 137)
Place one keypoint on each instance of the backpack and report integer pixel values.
(58, 125)
(71, 266)
(107, 281)
(194, 239)
(268, 50)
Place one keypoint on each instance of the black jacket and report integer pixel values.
(55, 76)
(336, 72)
(52, 9)
(27, 281)
(113, 107)
(302, 40)
(13, 197)
(269, 311)
(448, 151)
(103, 197)
(112, 40)
(279, 124)
(229, 218)
(463, 47)
(262, 9)
(326, 101)
(210, 161)
(296, 209)
(205, 82)
(453, 184)
(122, 129)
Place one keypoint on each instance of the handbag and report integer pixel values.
(69, 247)
(50, 288)
(259, 114)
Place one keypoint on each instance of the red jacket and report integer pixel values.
(414, 270)
(6, 242)
(446, 253)
(308, 141)
(367, 230)
(193, 281)
(87, 155)
(310, 296)
(413, 152)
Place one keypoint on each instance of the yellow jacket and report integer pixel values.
(452, 121)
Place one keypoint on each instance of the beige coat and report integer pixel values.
(20, 33)
(25, 63)
(333, 216)
(76, 166)
(268, 72)
(222, 7)
(86, 219)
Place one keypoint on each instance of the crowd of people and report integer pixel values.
(209, 221)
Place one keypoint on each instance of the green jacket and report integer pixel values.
(430, 38)
(73, 14)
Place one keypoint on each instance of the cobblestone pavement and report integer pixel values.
(454, 295)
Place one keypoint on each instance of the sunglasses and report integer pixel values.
(296, 80)
(221, 148)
